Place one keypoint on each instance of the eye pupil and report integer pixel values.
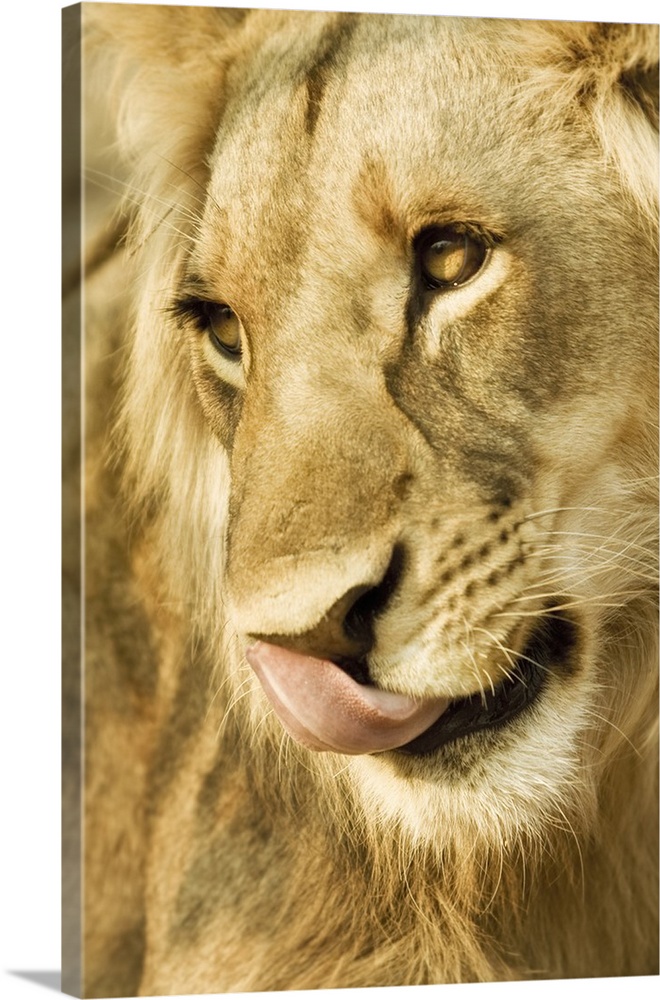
(448, 257)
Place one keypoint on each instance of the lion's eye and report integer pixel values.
(448, 256)
(224, 328)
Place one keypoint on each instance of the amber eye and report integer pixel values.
(224, 328)
(448, 256)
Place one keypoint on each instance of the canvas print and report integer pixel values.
(361, 617)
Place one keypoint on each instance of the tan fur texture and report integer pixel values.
(488, 449)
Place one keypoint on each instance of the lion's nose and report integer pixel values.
(345, 633)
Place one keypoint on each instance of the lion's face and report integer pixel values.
(418, 322)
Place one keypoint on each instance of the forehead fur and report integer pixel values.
(309, 130)
(602, 75)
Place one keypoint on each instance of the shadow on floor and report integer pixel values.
(50, 980)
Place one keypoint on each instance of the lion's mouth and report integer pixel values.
(327, 706)
(547, 647)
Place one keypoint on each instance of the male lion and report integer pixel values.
(371, 686)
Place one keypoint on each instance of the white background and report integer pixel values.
(30, 486)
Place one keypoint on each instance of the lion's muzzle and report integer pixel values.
(316, 511)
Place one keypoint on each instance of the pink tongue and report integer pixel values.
(325, 709)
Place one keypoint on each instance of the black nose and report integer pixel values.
(345, 634)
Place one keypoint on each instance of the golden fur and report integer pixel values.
(501, 434)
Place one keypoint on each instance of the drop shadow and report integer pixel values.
(49, 980)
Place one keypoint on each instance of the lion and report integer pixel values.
(370, 469)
